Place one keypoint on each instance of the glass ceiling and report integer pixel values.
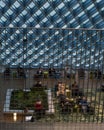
(34, 16)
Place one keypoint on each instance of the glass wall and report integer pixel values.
(60, 68)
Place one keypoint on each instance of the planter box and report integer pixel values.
(8, 98)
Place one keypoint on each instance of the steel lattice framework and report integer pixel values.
(48, 32)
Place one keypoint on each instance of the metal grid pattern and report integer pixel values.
(31, 47)
(39, 49)
(78, 49)
(41, 33)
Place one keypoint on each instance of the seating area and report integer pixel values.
(72, 97)
(71, 101)
(45, 73)
(19, 72)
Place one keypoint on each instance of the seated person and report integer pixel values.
(21, 72)
(75, 89)
(60, 92)
(40, 72)
(84, 105)
(61, 89)
(7, 72)
(39, 110)
(51, 71)
(78, 100)
(65, 104)
(56, 88)
(38, 84)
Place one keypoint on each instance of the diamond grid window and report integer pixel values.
(28, 18)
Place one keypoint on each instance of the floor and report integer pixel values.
(6, 123)
(50, 126)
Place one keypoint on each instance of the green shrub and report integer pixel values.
(21, 99)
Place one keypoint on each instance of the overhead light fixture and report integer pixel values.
(25, 39)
